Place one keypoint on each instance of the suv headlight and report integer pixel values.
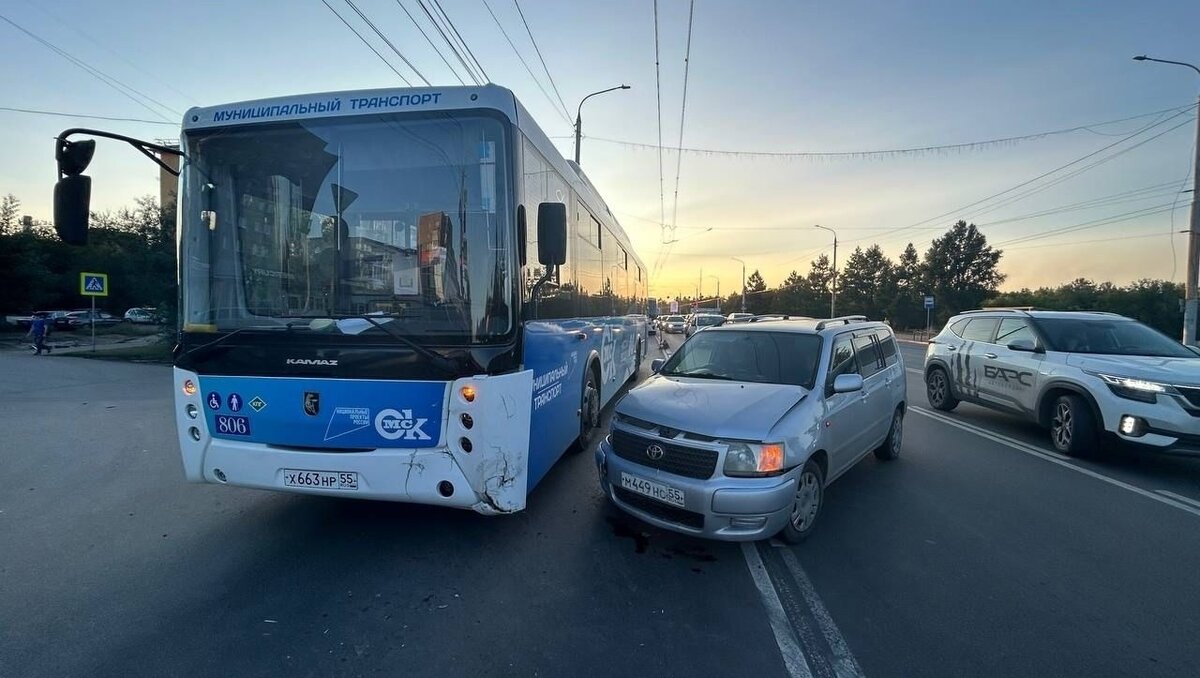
(753, 459)
(1133, 388)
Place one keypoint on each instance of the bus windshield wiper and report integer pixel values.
(222, 339)
(437, 359)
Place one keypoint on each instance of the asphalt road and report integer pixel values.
(978, 553)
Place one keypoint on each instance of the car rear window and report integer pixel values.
(980, 329)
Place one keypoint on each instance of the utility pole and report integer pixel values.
(1191, 303)
(833, 275)
(743, 282)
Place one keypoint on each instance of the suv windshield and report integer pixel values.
(1108, 337)
(709, 320)
(762, 357)
(392, 215)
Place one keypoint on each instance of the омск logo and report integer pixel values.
(397, 425)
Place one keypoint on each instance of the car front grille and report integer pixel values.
(660, 510)
(1192, 395)
(678, 459)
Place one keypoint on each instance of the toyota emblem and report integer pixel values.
(655, 452)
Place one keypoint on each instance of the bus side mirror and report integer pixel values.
(552, 234)
(73, 192)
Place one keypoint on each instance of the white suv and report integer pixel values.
(1082, 375)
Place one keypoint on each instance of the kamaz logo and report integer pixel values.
(1006, 375)
(311, 361)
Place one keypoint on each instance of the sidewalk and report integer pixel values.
(67, 345)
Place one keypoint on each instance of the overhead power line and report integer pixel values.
(546, 68)
(86, 116)
(1088, 242)
(367, 43)
(458, 53)
(915, 151)
(687, 55)
(957, 212)
(134, 95)
(430, 41)
(384, 38)
(161, 81)
(1095, 223)
(454, 29)
(565, 115)
(662, 200)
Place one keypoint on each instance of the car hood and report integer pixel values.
(1153, 368)
(722, 409)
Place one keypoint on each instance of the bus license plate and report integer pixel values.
(320, 480)
(649, 488)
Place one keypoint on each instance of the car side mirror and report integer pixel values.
(1025, 345)
(847, 383)
(656, 365)
(552, 233)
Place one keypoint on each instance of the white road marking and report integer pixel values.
(789, 648)
(844, 664)
(1180, 497)
(1055, 458)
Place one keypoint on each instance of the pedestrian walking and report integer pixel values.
(38, 327)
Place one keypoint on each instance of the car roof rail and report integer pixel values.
(769, 316)
(1001, 309)
(845, 320)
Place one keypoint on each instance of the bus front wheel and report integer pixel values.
(589, 412)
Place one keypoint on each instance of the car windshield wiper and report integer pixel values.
(699, 375)
(225, 337)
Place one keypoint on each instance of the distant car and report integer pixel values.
(703, 320)
(78, 319)
(51, 318)
(673, 324)
(143, 316)
(737, 435)
(1087, 377)
(738, 317)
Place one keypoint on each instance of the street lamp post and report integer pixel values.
(743, 282)
(579, 121)
(1191, 307)
(833, 277)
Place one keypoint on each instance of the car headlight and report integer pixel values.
(1133, 388)
(753, 459)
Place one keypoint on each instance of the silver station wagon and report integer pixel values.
(737, 435)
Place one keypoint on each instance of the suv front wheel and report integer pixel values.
(1073, 426)
(937, 390)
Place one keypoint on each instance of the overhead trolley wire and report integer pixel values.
(389, 43)
(430, 41)
(367, 43)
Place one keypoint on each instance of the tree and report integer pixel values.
(961, 269)
(906, 307)
(820, 273)
(9, 219)
(755, 282)
(790, 296)
(867, 283)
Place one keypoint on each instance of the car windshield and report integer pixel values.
(1108, 337)
(708, 320)
(761, 357)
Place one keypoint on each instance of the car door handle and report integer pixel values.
(951, 348)
(581, 336)
(990, 356)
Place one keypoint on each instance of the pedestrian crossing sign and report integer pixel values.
(93, 284)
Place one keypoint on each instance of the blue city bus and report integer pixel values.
(400, 294)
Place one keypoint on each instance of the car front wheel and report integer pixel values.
(1073, 426)
(890, 449)
(937, 390)
(806, 506)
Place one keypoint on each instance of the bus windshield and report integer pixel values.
(403, 217)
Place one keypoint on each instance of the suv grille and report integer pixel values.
(678, 459)
(1191, 394)
(660, 510)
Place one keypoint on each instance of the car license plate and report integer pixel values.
(649, 488)
(320, 480)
